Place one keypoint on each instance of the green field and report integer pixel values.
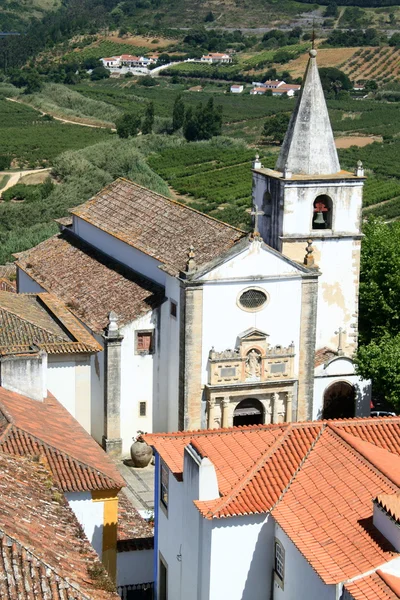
(31, 140)
(105, 48)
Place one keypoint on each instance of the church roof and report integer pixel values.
(43, 554)
(156, 225)
(309, 147)
(42, 321)
(30, 427)
(90, 283)
(317, 478)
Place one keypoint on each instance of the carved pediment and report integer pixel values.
(252, 334)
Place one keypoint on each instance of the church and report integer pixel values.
(202, 325)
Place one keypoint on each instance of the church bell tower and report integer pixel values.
(307, 200)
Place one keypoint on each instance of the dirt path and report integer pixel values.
(15, 176)
(42, 112)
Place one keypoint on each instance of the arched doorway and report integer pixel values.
(248, 412)
(339, 401)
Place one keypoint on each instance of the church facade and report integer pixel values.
(203, 325)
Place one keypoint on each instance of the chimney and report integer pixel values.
(25, 374)
(386, 517)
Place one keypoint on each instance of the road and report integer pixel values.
(60, 118)
(15, 176)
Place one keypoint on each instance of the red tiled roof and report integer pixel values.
(40, 320)
(323, 355)
(30, 427)
(373, 587)
(156, 225)
(90, 283)
(134, 533)
(43, 553)
(317, 479)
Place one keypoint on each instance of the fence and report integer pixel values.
(138, 591)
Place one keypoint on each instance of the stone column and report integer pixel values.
(191, 357)
(289, 401)
(112, 442)
(225, 412)
(308, 328)
(275, 401)
(211, 413)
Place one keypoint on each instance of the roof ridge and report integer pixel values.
(377, 470)
(301, 463)
(71, 584)
(225, 500)
(387, 578)
(31, 323)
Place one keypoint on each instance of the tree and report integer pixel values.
(209, 18)
(378, 356)
(148, 122)
(202, 123)
(334, 80)
(128, 125)
(371, 86)
(178, 113)
(331, 10)
(275, 127)
(380, 361)
(99, 73)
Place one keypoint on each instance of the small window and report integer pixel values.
(144, 342)
(164, 485)
(279, 560)
(142, 409)
(174, 309)
(252, 299)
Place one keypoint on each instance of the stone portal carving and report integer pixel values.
(252, 360)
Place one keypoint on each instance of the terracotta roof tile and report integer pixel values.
(134, 533)
(317, 479)
(88, 282)
(43, 552)
(323, 355)
(41, 321)
(156, 225)
(371, 587)
(47, 428)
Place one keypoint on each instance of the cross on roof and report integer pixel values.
(256, 213)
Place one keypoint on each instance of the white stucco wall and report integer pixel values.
(224, 320)
(300, 197)
(137, 379)
(127, 255)
(61, 381)
(170, 536)
(135, 567)
(97, 392)
(241, 558)
(301, 582)
(341, 369)
(26, 284)
(166, 395)
(90, 516)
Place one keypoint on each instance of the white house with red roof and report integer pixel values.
(216, 58)
(302, 511)
(203, 325)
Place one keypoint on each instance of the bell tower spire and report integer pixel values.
(309, 146)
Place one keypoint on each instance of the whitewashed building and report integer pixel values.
(216, 58)
(211, 326)
(303, 511)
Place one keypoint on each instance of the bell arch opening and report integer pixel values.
(339, 401)
(248, 412)
(322, 212)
